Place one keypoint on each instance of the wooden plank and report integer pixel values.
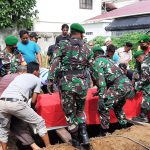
(138, 123)
(64, 135)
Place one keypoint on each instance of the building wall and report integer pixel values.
(96, 29)
(52, 14)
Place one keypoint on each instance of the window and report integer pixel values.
(86, 4)
(89, 33)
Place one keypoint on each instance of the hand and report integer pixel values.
(95, 94)
(50, 87)
(132, 94)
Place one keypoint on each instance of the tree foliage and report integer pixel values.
(121, 40)
(17, 13)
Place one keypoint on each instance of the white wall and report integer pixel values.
(53, 13)
(98, 29)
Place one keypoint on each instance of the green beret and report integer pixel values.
(138, 53)
(144, 39)
(77, 27)
(97, 48)
(11, 40)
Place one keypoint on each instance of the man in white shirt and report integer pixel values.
(125, 53)
(13, 101)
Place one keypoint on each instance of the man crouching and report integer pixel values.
(113, 89)
(13, 101)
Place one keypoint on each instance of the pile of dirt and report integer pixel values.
(124, 139)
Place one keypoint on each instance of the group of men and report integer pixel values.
(71, 63)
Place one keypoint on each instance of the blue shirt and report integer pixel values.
(115, 58)
(29, 50)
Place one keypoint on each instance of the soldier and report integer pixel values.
(71, 61)
(113, 89)
(10, 57)
(98, 51)
(144, 85)
(144, 44)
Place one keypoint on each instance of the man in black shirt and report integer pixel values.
(64, 35)
(50, 51)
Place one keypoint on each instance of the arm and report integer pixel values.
(98, 76)
(39, 58)
(145, 76)
(47, 60)
(34, 98)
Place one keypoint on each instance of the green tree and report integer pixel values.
(17, 13)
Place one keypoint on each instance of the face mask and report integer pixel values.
(144, 47)
(15, 50)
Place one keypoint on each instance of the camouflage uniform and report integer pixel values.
(144, 83)
(113, 88)
(10, 62)
(69, 64)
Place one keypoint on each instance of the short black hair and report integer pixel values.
(22, 32)
(123, 66)
(128, 44)
(32, 66)
(111, 48)
(64, 26)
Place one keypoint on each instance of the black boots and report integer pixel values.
(75, 140)
(84, 139)
(102, 132)
(80, 136)
(142, 117)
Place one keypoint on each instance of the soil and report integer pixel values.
(114, 141)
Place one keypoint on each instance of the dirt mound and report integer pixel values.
(120, 140)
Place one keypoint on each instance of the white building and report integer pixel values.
(53, 13)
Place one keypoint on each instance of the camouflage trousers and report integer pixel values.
(73, 107)
(146, 99)
(116, 98)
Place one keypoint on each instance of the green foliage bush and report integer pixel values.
(17, 13)
(121, 40)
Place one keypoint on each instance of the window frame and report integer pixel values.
(86, 4)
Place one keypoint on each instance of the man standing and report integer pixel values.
(64, 35)
(29, 49)
(69, 65)
(50, 52)
(143, 85)
(13, 101)
(10, 56)
(113, 89)
(34, 37)
(125, 54)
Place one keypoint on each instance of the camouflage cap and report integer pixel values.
(138, 53)
(77, 27)
(11, 40)
(144, 39)
(97, 48)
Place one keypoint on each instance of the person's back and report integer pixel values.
(21, 87)
(5, 81)
(107, 67)
(75, 55)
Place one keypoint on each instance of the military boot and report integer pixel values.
(83, 134)
(75, 140)
(102, 132)
(143, 117)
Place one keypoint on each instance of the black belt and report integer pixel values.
(11, 99)
(73, 72)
